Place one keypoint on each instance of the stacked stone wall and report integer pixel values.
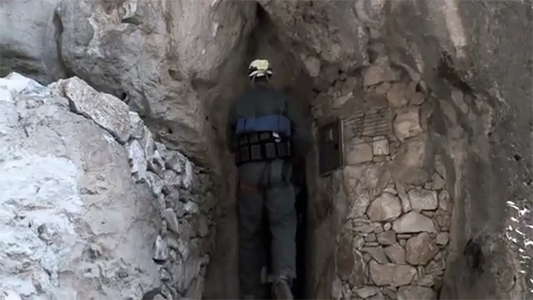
(393, 207)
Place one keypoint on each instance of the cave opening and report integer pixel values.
(290, 78)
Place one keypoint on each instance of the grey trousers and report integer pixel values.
(265, 190)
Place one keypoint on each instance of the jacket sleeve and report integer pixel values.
(302, 136)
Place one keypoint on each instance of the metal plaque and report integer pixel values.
(330, 146)
(375, 121)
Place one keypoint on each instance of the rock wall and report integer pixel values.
(478, 68)
(92, 206)
(390, 217)
(448, 82)
(29, 39)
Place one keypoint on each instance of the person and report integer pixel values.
(268, 134)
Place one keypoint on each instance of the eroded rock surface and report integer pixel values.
(75, 215)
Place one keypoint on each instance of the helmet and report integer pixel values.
(259, 68)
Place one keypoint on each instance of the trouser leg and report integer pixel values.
(252, 248)
(280, 200)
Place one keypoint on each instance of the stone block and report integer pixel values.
(404, 198)
(391, 274)
(378, 296)
(396, 254)
(421, 199)
(413, 222)
(387, 237)
(416, 292)
(160, 250)
(367, 291)
(383, 88)
(136, 125)
(377, 74)
(443, 220)
(370, 237)
(386, 207)
(137, 161)
(444, 201)
(172, 220)
(417, 99)
(442, 238)
(358, 153)
(387, 226)
(380, 146)
(396, 96)
(104, 109)
(407, 124)
(420, 249)
(438, 182)
(376, 253)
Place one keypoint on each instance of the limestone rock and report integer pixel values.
(413, 222)
(443, 220)
(69, 210)
(358, 153)
(411, 163)
(378, 296)
(377, 74)
(391, 274)
(438, 182)
(396, 254)
(9, 295)
(172, 220)
(417, 99)
(371, 237)
(160, 250)
(136, 125)
(420, 249)
(28, 40)
(137, 161)
(442, 238)
(406, 204)
(407, 124)
(387, 237)
(367, 291)
(105, 109)
(444, 201)
(396, 95)
(421, 199)
(102, 40)
(376, 253)
(416, 292)
(386, 207)
(383, 88)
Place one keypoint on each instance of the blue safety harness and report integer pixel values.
(263, 138)
(272, 123)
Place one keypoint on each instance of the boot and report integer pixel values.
(281, 289)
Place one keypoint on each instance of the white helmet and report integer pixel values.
(259, 68)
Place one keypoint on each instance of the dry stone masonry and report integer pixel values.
(396, 230)
(435, 102)
(92, 205)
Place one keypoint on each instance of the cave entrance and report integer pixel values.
(290, 78)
